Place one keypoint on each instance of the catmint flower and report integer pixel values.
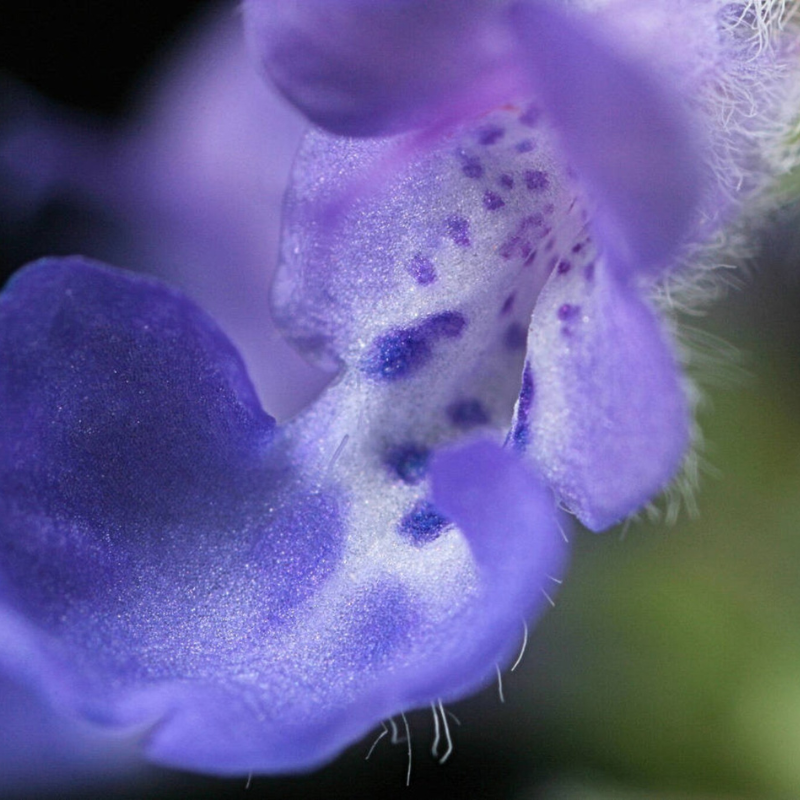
(480, 233)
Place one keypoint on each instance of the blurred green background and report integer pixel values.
(670, 665)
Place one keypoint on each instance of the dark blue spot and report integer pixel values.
(507, 181)
(509, 246)
(466, 414)
(521, 241)
(520, 435)
(457, 229)
(567, 311)
(525, 146)
(422, 270)
(383, 622)
(492, 201)
(489, 134)
(588, 271)
(472, 167)
(515, 337)
(447, 324)
(423, 523)
(530, 116)
(536, 180)
(397, 354)
(525, 393)
(508, 304)
(563, 267)
(576, 248)
(408, 461)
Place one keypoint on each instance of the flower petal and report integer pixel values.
(366, 68)
(602, 414)
(508, 518)
(625, 132)
(191, 189)
(362, 68)
(44, 751)
(252, 599)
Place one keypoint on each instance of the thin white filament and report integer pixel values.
(383, 733)
(408, 739)
(500, 684)
(448, 752)
(524, 646)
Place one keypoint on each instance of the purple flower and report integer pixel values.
(255, 597)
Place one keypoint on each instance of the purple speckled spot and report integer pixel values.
(521, 241)
(423, 523)
(515, 337)
(568, 311)
(525, 146)
(492, 201)
(471, 166)
(397, 354)
(466, 414)
(490, 134)
(508, 247)
(521, 434)
(409, 462)
(447, 324)
(402, 352)
(422, 270)
(385, 623)
(536, 180)
(564, 267)
(588, 271)
(507, 181)
(530, 116)
(508, 304)
(576, 248)
(457, 228)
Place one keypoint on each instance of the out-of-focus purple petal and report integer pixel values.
(192, 187)
(366, 68)
(43, 750)
(204, 173)
(603, 413)
(625, 133)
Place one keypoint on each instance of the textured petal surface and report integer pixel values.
(233, 591)
(360, 67)
(602, 413)
(625, 133)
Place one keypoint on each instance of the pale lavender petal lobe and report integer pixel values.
(605, 419)
(625, 133)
